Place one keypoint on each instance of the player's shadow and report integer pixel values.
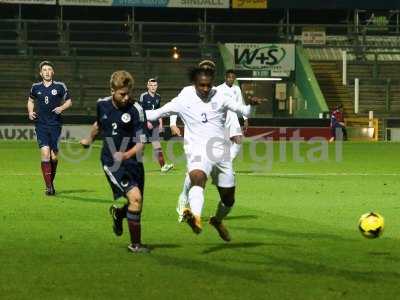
(86, 199)
(318, 268)
(292, 234)
(63, 192)
(242, 217)
(164, 246)
(221, 247)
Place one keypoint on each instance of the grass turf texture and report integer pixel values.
(294, 231)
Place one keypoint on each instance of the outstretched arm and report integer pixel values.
(244, 110)
(171, 108)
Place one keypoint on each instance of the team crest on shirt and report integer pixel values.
(126, 117)
(54, 92)
(213, 105)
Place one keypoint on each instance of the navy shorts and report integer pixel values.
(48, 136)
(130, 174)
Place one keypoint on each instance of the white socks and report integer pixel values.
(186, 186)
(235, 149)
(196, 200)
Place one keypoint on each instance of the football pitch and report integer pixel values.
(294, 229)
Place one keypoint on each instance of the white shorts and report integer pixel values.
(219, 167)
(232, 122)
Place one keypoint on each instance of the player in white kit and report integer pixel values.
(232, 92)
(203, 111)
(232, 121)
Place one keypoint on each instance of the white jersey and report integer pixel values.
(233, 92)
(204, 120)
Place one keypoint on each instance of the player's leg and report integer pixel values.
(183, 201)
(333, 134)
(159, 155)
(117, 213)
(236, 146)
(55, 132)
(47, 170)
(227, 199)
(54, 164)
(344, 131)
(223, 178)
(133, 215)
(192, 215)
(43, 139)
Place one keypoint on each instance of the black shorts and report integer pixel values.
(130, 174)
(48, 136)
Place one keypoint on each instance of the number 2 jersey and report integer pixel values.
(48, 98)
(121, 128)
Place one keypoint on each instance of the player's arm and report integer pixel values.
(134, 151)
(239, 108)
(31, 106)
(166, 110)
(94, 131)
(67, 102)
(240, 100)
(172, 124)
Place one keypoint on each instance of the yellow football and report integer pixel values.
(371, 225)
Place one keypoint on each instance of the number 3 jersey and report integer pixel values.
(204, 120)
(121, 128)
(48, 98)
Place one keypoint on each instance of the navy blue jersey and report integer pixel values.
(121, 128)
(48, 98)
(148, 102)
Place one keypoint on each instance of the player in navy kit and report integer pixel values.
(151, 100)
(50, 98)
(122, 126)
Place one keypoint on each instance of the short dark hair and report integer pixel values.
(152, 80)
(230, 71)
(196, 72)
(45, 63)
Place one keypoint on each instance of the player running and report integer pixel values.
(51, 98)
(232, 123)
(151, 100)
(232, 120)
(203, 112)
(122, 125)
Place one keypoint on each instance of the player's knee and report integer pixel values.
(135, 204)
(45, 153)
(134, 199)
(198, 177)
(54, 155)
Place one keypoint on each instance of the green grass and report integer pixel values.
(294, 230)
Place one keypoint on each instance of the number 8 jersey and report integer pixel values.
(48, 98)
